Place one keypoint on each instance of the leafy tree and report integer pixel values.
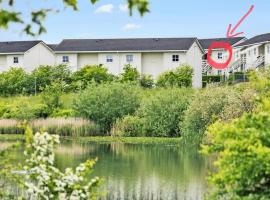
(89, 73)
(105, 103)
(35, 25)
(130, 74)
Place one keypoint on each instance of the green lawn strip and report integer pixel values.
(128, 140)
(108, 139)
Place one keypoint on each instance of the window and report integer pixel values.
(65, 59)
(129, 58)
(220, 55)
(109, 58)
(219, 72)
(175, 58)
(15, 60)
(268, 49)
(255, 51)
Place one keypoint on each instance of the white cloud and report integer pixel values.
(129, 27)
(108, 8)
(123, 7)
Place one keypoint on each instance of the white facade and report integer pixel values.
(148, 63)
(38, 55)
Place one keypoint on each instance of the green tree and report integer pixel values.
(34, 26)
(130, 74)
(105, 103)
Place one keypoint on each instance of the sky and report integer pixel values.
(167, 18)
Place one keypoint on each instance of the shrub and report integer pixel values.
(163, 111)
(208, 106)
(51, 96)
(63, 113)
(14, 81)
(147, 81)
(105, 103)
(181, 77)
(90, 73)
(46, 75)
(130, 74)
(243, 149)
(211, 78)
(129, 126)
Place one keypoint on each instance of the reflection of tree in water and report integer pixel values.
(143, 171)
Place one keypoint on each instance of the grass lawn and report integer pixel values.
(66, 99)
(108, 139)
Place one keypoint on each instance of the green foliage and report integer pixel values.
(181, 77)
(105, 103)
(147, 81)
(130, 74)
(211, 78)
(13, 82)
(129, 126)
(243, 148)
(91, 73)
(23, 110)
(209, 105)
(163, 111)
(51, 96)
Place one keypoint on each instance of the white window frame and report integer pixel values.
(65, 59)
(129, 58)
(15, 60)
(175, 58)
(220, 55)
(109, 58)
(268, 49)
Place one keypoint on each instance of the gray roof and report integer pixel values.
(52, 46)
(139, 44)
(17, 46)
(256, 39)
(207, 42)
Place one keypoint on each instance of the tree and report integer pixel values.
(35, 25)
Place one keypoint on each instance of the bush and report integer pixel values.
(211, 78)
(106, 103)
(14, 81)
(130, 74)
(181, 77)
(243, 149)
(129, 126)
(90, 73)
(23, 111)
(63, 113)
(163, 111)
(47, 75)
(51, 96)
(147, 81)
(208, 106)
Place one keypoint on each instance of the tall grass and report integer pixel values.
(61, 126)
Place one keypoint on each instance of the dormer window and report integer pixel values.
(15, 60)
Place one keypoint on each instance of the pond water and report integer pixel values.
(140, 172)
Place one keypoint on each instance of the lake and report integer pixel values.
(140, 172)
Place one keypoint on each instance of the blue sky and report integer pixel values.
(168, 18)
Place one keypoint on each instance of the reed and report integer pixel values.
(61, 126)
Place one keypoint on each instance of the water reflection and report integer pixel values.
(141, 171)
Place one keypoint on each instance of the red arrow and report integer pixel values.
(230, 31)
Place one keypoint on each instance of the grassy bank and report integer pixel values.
(108, 139)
